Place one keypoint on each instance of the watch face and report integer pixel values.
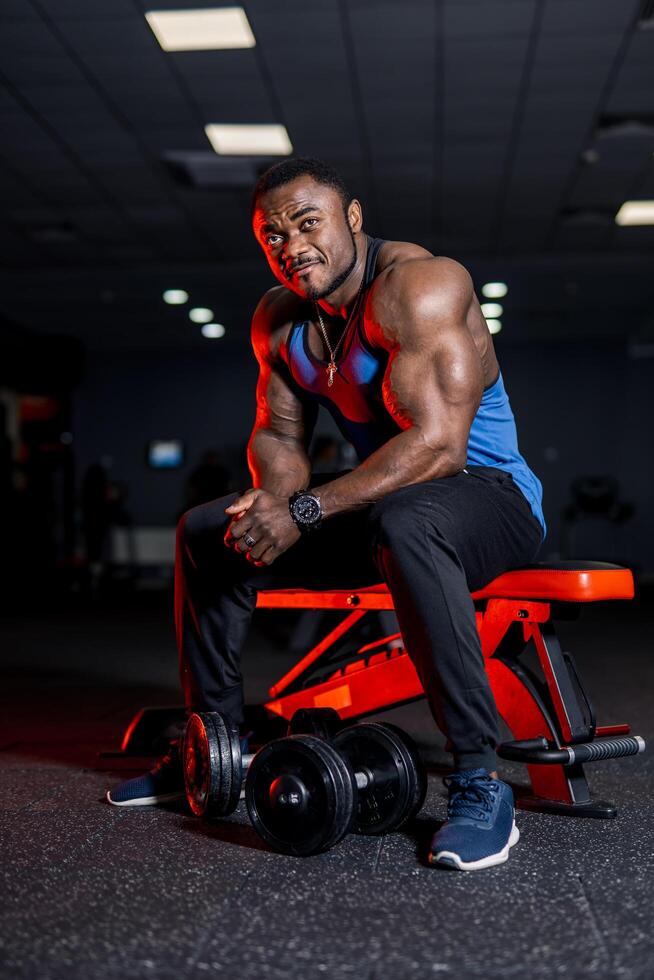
(306, 509)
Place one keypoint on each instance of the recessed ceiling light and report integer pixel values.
(590, 156)
(494, 326)
(494, 290)
(175, 297)
(491, 309)
(201, 30)
(244, 140)
(213, 330)
(636, 213)
(200, 314)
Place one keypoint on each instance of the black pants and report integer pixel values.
(433, 544)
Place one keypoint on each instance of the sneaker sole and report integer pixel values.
(145, 800)
(448, 859)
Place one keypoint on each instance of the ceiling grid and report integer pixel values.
(354, 75)
(66, 176)
(463, 125)
(165, 210)
(571, 75)
(517, 125)
(397, 88)
(437, 170)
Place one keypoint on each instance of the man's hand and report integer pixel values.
(264, 518)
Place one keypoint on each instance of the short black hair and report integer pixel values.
(288, 170)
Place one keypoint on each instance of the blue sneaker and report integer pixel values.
(480, 827)
(163, 784)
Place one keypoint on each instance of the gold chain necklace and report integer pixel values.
(331, 368)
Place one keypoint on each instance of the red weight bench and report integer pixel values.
(550, 716)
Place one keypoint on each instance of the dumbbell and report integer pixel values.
(214, 766)
(325, 723)
(304, 794)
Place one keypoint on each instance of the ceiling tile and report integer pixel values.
(488, 20)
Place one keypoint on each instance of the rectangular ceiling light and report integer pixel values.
(201, 30)
(636, 213)
(266, 140)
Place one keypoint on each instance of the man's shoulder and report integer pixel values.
(394, 253)
(403, 262)
(276, 312)
(279, 305)
(409, 273)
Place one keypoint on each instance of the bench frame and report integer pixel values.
(374, 677)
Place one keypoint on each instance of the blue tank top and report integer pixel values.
(355, 400)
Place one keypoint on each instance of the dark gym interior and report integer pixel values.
(509, 135)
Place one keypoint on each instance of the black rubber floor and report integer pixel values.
(90, 891)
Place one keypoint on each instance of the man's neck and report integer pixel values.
(340, 302)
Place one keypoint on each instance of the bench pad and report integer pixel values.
(563, 581)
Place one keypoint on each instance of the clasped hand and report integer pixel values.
(262, 518)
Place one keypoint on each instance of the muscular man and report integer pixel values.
(391, 340)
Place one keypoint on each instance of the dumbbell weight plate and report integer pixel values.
(300, 795)
(322, 722)
(414, 764)
(212, 765)
(398, 784)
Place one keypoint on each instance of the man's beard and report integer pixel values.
(317, 292)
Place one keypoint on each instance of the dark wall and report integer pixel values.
(207, 400)
(580, 410)
(588, 410)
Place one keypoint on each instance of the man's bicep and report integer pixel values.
(434, 377)
(434, 382)
(280, 409)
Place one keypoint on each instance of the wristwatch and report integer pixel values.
(305, 510)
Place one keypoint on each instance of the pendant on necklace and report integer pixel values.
(331, 371)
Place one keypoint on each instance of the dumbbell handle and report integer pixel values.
(363, 778)
(245, 763)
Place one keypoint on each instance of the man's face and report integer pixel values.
(306, 236)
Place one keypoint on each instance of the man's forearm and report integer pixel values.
(278, 465)
(403, 460)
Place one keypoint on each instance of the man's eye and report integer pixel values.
(272, 239)
(309, 221)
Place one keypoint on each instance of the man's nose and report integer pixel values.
(296, 247)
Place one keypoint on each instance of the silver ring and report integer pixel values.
(249, 540)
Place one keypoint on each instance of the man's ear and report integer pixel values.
(355, 215)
